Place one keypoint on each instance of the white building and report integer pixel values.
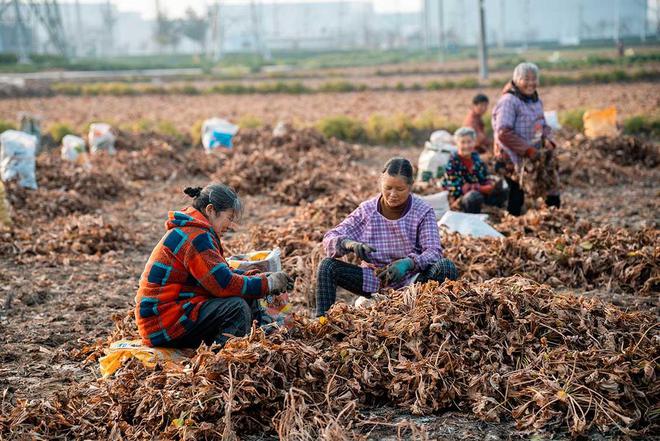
(522, 22)
(327, 25)
(99, 29)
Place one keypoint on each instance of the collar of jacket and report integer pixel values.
(513, 90)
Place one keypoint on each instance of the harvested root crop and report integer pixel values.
(506, 348)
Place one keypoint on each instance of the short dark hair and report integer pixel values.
(220, 196)
(400, 167)
(479, 98)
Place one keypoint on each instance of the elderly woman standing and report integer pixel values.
(520, 132)
(394, 234)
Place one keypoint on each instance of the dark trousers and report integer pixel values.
(333, 273)
(474, 200)
(217, 317)
(516, 197)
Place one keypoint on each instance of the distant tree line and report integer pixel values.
(168, 32)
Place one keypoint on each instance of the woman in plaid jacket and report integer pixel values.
(396, 236)
(188, 294)
(520, 132)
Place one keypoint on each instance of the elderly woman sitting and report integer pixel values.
(520, 132)
(466, 177)
(394, 234)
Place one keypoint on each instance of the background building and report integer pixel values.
(99, 29)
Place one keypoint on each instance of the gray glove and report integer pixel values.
(279, 282)
(360, 249)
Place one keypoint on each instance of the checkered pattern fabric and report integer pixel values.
(443, 269)
(524, 117)
(333, 273)
(415, 235)
(184, 270)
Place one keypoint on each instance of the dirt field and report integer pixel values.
(183, 111)
(74, 258)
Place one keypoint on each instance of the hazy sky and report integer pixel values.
(176, 7)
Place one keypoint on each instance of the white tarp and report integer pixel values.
(468, 224)
(17, 150)
(439, 202)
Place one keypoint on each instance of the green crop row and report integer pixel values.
(376, 129)
(296, 87)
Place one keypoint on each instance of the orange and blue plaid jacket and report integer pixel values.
(185, 269)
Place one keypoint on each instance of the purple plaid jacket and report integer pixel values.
(525, 118)
(415, 235)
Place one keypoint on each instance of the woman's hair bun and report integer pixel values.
(193, 192)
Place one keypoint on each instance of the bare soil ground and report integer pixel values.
(53, 310)
(183, 111)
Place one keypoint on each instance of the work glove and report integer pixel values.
(360, 249)
(279, 282)
(396, 271)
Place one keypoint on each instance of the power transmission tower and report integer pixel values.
(49, 15)
(483, 56)
(21, 34)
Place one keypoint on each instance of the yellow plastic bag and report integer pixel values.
(121, 351)
(263, 261)
(600, 122)
(5, 219)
